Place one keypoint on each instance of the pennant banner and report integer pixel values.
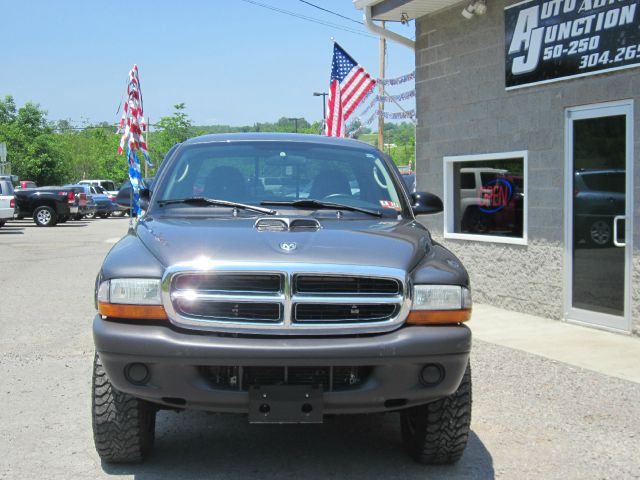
(397, 80)
(396, 115)
(132, 126)
(396, 98)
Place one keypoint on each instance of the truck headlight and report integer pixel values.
(131, 298)
(440, 304)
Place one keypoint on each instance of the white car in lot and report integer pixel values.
(108, 185)
(7, 200)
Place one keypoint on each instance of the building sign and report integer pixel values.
(547, 41)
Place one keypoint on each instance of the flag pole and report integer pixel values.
(146, 140)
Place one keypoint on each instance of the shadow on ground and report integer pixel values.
(11, 230)
(30, 224)
(198, 445)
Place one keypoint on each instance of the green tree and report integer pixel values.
(30, 143)
(169, 131)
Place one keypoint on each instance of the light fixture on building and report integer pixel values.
(477, 7)
(404, 18)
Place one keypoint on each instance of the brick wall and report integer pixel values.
(463, 109)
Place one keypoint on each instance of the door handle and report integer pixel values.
(615, 231)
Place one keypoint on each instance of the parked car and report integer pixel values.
(599, 196)
(99, 204)
(123, 198)
(84, 197)
(233, 299)
(405, 169)
(24, 184)
(47, 205)
(108, 185)
(409, 180)
(7, 199)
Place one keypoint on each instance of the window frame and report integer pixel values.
(448, 190)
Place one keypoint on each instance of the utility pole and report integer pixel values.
(295, 120)
(324, 106)
(383, 48)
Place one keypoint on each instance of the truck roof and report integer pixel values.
(276, 136)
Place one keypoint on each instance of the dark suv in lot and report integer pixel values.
(599, 196)
(326, 297)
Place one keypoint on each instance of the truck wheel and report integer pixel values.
(90, 215)
(45, 217)
(437, 433)
(600, 233)
(78, 216)
(123, 425)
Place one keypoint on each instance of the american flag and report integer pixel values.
(349, 85)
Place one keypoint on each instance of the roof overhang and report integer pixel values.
(397, 10)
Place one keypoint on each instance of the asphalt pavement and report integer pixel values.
(533, 417)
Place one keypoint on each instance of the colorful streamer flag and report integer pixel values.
(398, 80)
(350, 84)
(132, 126)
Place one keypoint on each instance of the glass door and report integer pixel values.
(598, 203)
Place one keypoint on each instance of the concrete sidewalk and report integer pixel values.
(609, 353)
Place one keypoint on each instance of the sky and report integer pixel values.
(230, 61)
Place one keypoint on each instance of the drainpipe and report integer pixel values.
(381, 32)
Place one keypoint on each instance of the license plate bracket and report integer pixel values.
(285, 404)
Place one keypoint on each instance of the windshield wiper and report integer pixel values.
(220, 203)
(311, 203)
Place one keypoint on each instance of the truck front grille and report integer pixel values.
(286, 299)
(332, 378)
(268, 312)
(230, 283)
(346, 285)
(320, 312)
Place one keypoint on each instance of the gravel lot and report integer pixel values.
(532, 417)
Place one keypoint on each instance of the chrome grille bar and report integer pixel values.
(287, 298)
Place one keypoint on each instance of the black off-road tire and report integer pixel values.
(123, 425)
(45, 216)
(437, 433)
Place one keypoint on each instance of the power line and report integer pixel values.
(310, 19)
(331, 12)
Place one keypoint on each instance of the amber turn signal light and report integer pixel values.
(133, 312)
(438, 317)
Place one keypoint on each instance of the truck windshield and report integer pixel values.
(254, 172)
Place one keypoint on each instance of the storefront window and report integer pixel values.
(486, 198)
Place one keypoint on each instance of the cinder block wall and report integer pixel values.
(463, 109)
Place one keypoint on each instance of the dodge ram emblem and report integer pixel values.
(288, 246)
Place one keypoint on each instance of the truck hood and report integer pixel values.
(382, 242)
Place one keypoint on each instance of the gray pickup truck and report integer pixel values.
(283, 277)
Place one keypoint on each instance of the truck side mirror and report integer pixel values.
(145, 196)
(424, 203)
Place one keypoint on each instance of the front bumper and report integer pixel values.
(176, 360)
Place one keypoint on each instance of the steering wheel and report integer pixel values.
(376, 177)
(335, 196)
